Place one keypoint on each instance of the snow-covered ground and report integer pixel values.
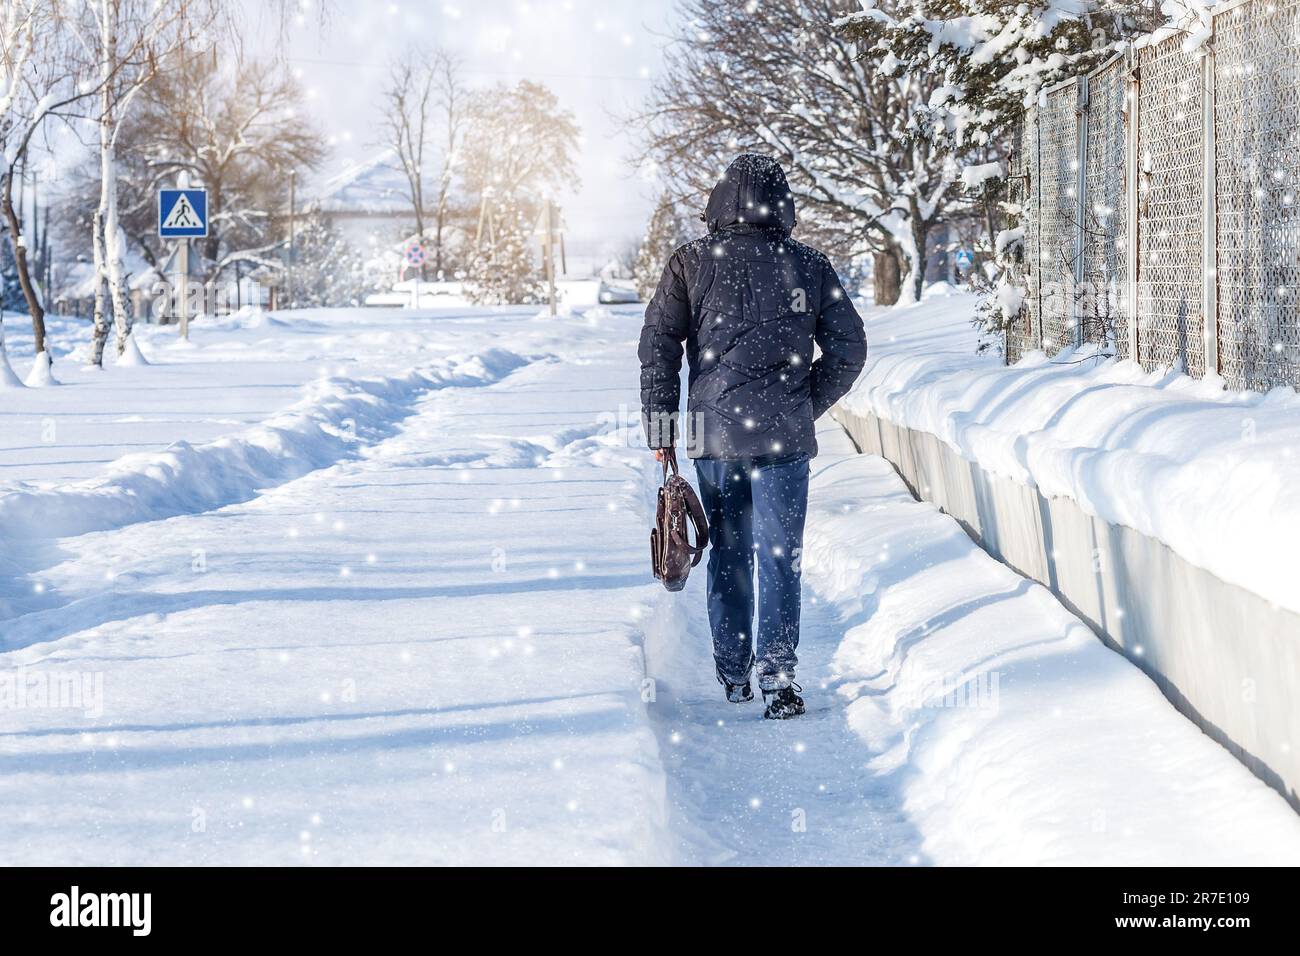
(386, 600)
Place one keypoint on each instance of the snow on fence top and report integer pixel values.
(1163, 186)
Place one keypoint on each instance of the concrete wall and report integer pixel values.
(1224, 656)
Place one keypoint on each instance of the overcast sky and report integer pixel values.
(598, 57)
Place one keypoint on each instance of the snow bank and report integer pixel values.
(132, 357)
(8, 377)
(42, 373)
(1213, 474)
(329, 424)
(1011, 734)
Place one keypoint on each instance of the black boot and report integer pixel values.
(737, 693)
(784, 703)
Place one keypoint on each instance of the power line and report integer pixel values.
(523, 73)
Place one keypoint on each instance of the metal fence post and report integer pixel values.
(1037, 184)
(1132, 197)
(1081, 205)
(1210, 230)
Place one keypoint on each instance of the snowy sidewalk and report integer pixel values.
(437, 642)
(401, 659)
(958, 715)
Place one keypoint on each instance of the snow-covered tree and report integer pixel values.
(234, 127)
(40, 79)
(987, 58)
(505, 270)
(519, 149)
(670, 226)
(519, 140)
(238, 132)
(328, 269)
(784, 79)
(127, 42)
(11, 289)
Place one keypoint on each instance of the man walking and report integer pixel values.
(745, 304)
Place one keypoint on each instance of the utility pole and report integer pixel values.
(293, 177)
(45, 253)
(549, 255)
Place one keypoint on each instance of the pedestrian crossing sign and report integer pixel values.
(182, 213)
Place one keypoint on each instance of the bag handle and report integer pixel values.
(669, 458)
(695, 511)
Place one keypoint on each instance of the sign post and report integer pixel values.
(414, 255)
(183, 215)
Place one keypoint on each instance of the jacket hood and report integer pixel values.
(753, 192)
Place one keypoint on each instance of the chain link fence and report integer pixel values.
(1171, 208)
(1257, 174)
(1060, 209)
(1105, 267)
(1022, 332)
(1160, 201)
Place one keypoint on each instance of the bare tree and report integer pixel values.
(423, 119)
(783, 79)
(670, 226)
(38, 81)
(520, 140)
(452, 105)
(235, 131)
(127, 42)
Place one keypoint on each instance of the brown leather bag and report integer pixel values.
(671, 553)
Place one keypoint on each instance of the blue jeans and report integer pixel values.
(756, 510)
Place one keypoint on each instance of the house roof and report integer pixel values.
(79, 279)
(373, 186)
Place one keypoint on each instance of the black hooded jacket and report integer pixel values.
(745, 304)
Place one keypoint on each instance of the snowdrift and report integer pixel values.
(335, 419)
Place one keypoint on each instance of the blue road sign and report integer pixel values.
(182, 213)
(964, 258)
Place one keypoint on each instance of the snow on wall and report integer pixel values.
(1014, 736)
(1213, 474)
(1224, 656)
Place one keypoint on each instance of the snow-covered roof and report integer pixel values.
(79, 279)
(78, 282)
(145, 281)
(374, 186)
